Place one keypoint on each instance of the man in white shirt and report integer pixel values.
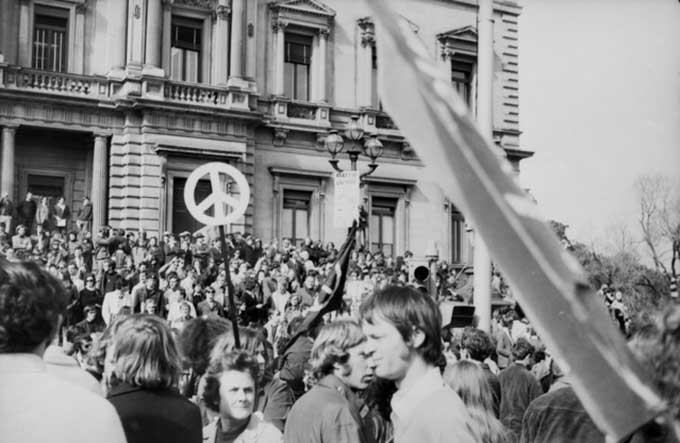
(403, 330)
(35, 405)
(115, 300)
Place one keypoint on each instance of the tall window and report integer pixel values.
(461, 77)
(50, 38)
(295, 217)
(185, 52)
(457, 233)
(297, 63)
(381, 225)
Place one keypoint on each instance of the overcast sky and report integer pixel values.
(599, 105)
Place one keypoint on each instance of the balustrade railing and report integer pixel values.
(194, 94)
(54, 82)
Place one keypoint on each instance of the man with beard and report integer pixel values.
(330, 411)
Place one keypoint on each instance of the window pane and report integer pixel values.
(387, 229)
(301, 224)
(287, 223)
(374, 228)
(176, 63)
(288, 79)
(388, 249)
(302, 82)
(50, 39)
(192, 66)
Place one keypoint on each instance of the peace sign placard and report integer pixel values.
(218, 198)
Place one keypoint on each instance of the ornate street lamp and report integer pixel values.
(354, 133)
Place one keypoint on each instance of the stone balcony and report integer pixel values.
(152, 90)
(54, 83)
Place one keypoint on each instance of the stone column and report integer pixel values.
(163, 195)
(221, 52)
(78, 45)
(321, 81)
(99, 195)
(167, 30)
(154, 29)
(116, 17)
(7, 166)
(25, 34)
(280, 33)
(135, 34)
(236, 52)
(366, 41)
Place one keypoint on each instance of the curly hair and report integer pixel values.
(144, 353)
(521, 349)
(240, 361)
(332, 344)
(32, 302)
(477, 343)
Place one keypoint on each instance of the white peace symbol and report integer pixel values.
(218, 196)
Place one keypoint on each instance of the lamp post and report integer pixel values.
(371, 148)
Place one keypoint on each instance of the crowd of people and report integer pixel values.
(148, 324)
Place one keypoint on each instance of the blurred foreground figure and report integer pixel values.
(403, 330)
(36, 406)
(142, 369)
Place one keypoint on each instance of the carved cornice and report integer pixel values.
(308, 13)
(366, 31)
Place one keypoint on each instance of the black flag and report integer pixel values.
(330, 298)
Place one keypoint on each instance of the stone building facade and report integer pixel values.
(121, 100)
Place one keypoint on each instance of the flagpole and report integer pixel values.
(481, 258)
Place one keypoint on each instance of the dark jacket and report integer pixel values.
(85, 213)
(559, 416)
(156, 415)
(519, 387)
(294, 361)
(495, 389)
(26, 210)
(275, 402)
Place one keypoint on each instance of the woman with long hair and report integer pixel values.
(470, 383)
(142, 369)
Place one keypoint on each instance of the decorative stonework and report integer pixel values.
(280, 136)
(458, 42)
(366, 31)
(308, 13)
(203, 4)
(222, 12)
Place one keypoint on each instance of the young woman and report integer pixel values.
(470, 383)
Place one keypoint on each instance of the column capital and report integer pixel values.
(6, 128)
(367, 31)
(222, 12)
(81, 8)
(323, 33)
(101, 134)
(279, 25)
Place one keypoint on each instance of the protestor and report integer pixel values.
(402, 326)
(142, 370)
(274, 397)
(331, 411)
(475, 346)
(32, 403)
(471, 383)
(230, 390)
(519, 387)
(116, 300)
